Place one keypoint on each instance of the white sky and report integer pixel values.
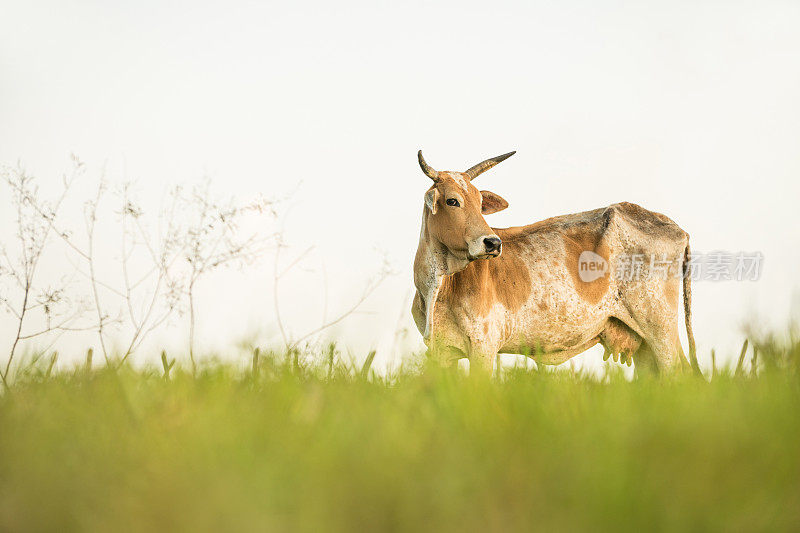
(688, 108)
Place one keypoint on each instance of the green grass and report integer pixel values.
(296, 450)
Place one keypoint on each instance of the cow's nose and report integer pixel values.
(492, 244)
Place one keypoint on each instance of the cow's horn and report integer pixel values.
(432, 174)
(483, 166)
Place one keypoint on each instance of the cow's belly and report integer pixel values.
(555, 330)
(553, 357)
(539, 338)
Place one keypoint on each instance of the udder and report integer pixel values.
(620, 341)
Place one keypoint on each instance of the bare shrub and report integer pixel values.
(125, 287)
(25, 297)
(211, 239)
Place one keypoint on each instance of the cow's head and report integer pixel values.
(455, 208)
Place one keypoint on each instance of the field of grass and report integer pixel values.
(296, 449)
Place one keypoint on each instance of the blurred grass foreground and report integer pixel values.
(285, 447)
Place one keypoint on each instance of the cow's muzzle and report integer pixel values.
(493, 245)
(484, 247)
(488, 247)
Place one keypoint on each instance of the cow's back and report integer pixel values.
(617, 232)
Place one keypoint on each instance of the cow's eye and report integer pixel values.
(452, 202)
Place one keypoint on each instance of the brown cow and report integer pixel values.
(549, 290)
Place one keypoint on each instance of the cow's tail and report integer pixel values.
(687, 308)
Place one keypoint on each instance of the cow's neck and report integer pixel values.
(432, 263)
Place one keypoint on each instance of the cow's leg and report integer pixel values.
(645, 363)
(665, 344)
(657, 321)
(445, 356)
(482, 364)
(481, 360)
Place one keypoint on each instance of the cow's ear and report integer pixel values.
(492, 203)
(431, 199)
